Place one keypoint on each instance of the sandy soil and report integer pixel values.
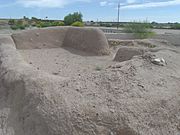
(68, 62)
(144, 94)
(94, 95)
(65, 62)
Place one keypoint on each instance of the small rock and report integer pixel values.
(37, 34)
(141, 86)
(117, 66)
(159, 61)
(55, 73)
(77, 89)
(112, 110)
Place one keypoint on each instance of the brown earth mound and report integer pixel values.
(127, 53)
(142, 43)
(40, 38)
(88, 40)
(77, 38)
(134, 97)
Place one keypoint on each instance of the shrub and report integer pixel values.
(61, 23)
(57, 24)
(14, 27)
(176, 26)
(22, 27)
(140, 29)
(11, 22)
(41, 24)
(19, 22)
(144, 35)
(71, 18)
(45, 24)
(37, 24)
(26, 25)
(77, 24)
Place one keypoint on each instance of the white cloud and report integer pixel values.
(47, 3)
(125, 4)
(152, 4)
(103, 3)
(131, 1)
(111, 3)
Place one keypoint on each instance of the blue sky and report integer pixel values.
(102, 10)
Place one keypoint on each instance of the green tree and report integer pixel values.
(11, 22)
(71, 18)
(25, 18)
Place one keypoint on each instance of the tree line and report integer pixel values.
(74, 19)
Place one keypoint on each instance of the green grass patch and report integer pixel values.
(14, 27)
(141, 30)
(144, 35)
(78, 24)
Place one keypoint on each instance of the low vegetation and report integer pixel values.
(78, 24)
(43, 24)
(74, 19)
(175, 26)
(34, 22)
(19, 24)
(139, 29)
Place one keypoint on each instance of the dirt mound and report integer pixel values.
(135, 97)
(88, 40)
(40, 38)
(127, 53)
(91, 40)
(142, 43)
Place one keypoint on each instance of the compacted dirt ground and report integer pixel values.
(146, 95)
(65, 62)
(68, 62)
(100, 95)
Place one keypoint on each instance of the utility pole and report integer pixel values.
(118, 14)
